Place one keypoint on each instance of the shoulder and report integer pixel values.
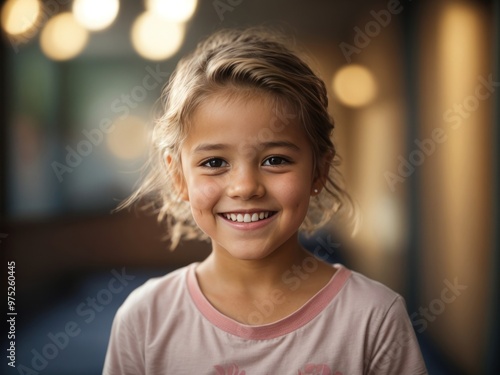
(147, 314)
(369, 299)
(156, 293)
(377, 316)
(366, 290)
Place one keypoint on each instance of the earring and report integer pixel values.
(315, 191)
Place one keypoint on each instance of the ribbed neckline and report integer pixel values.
(312, 308)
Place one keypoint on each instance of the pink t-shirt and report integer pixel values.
(353, 325)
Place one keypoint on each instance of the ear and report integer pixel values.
(321, 173)
(175, 170)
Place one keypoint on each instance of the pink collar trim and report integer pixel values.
(292, 322)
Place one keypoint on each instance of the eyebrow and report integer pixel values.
(265, 145)
(210, 147)
(284, 144)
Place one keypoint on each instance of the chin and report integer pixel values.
(251, 252)
(248, 255)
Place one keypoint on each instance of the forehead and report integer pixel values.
(237, 118)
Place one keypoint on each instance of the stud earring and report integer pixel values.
(315, 191)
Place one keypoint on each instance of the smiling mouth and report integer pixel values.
(247, 217)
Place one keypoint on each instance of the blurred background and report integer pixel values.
(414, 92)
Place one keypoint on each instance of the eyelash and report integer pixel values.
(205, 162)
(283, 161)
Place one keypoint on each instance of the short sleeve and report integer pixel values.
(395, 348)
(125, 354)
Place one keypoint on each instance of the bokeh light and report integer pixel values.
(96, 14)
(354, 85)
(63, 37)
(20, 16)
(155, 38)
(173, 10)
(128, 138)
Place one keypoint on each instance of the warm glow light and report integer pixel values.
(96, 14)
(128, 138)
(354, 85)
(173, 10)
(62, 37)
(154, 38)
(463, 51)
(19, 16)
(458, 51)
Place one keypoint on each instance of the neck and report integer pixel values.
(255, 275)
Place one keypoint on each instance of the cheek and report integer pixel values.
(293, 191)
(203, 192)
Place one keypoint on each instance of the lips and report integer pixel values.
(247, 217)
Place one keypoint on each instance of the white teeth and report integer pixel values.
(247, 218)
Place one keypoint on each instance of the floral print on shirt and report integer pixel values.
(317, 369)
(308, 369)
(231, 369)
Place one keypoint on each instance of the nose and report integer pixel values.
(245, 184)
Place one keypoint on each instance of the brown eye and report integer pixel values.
(215, 163)
(275, 160)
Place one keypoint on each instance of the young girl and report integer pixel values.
(243, 156)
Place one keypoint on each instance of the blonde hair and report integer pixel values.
(253, 59)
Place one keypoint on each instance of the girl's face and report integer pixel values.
(248, 175)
